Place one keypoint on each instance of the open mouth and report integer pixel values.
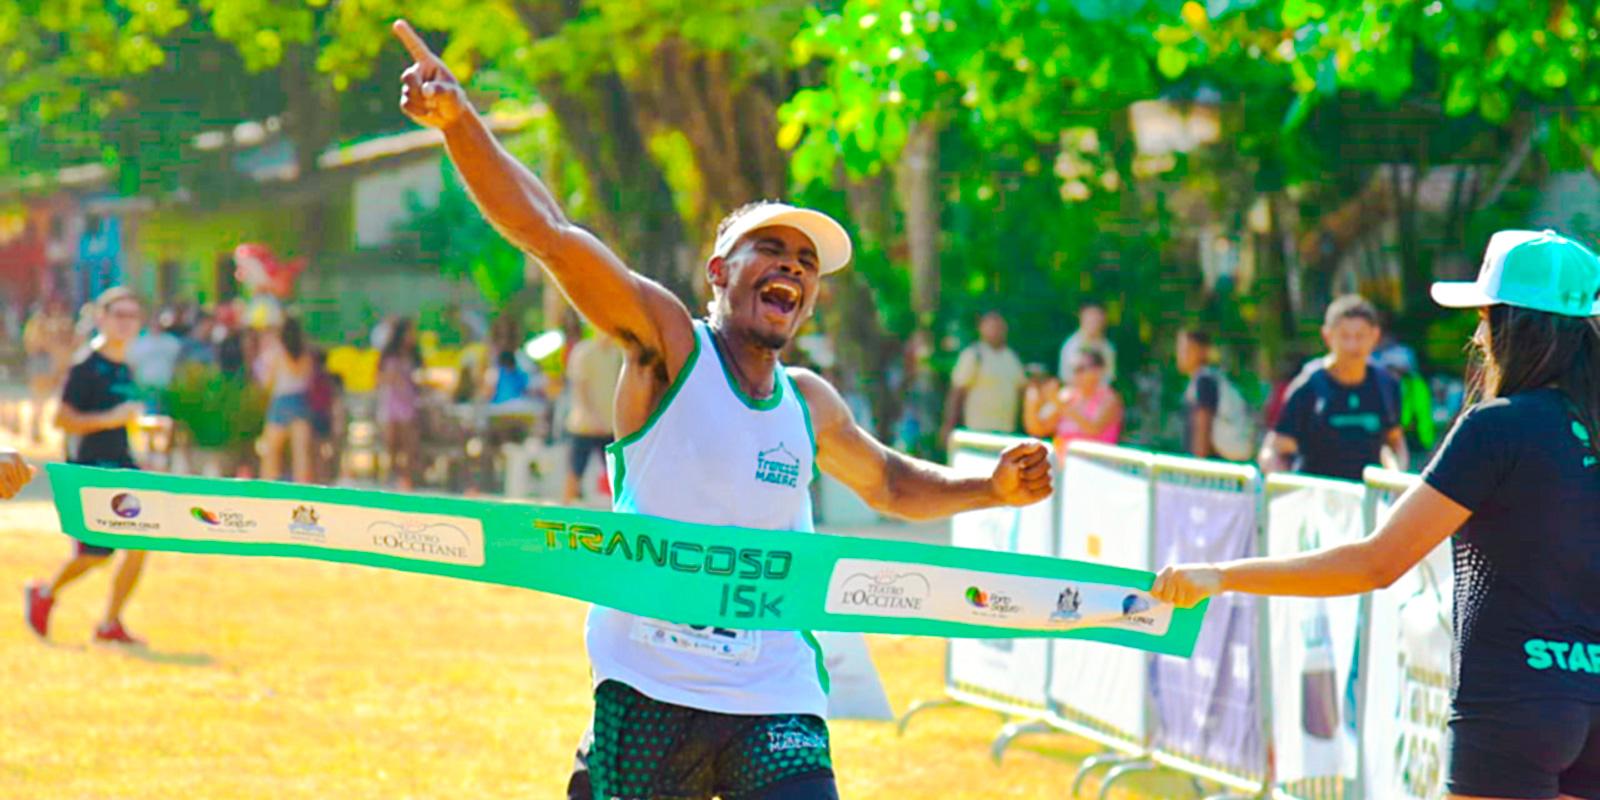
(780, 295)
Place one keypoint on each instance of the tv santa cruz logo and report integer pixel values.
(303, 524)
(125, 510)
(885, 591)
(991, 603)
(126, 505)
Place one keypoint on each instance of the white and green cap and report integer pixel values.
(1541, 270)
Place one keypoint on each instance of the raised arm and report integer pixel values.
(641, 314)
(897, 484)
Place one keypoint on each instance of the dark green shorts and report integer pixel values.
(643, 748)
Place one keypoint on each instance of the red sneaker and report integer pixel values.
(38, 605)
(116, 634)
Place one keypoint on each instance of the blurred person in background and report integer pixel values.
(154, 355)
(49, 341)
(593, 370)
(1217, 422)
(325, 396)
(287, 369)
(97, 405)
(1090, 335)
(1341, 414)
(199, 346)
(986, 386)
(1086, 408)
(400, 401)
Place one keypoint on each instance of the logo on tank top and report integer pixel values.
(778, 466)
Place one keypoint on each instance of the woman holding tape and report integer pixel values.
(1518, 481)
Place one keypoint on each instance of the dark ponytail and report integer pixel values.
(1522, 349)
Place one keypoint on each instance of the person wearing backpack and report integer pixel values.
(1216, 420)
(1341, 414)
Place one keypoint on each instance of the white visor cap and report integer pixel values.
(829, 238)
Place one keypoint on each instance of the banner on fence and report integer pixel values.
(1014, 669)
(1408, 675)
(1105, 518)
(1207, 706)
(1313, 640)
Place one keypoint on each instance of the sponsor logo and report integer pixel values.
(227, 521)
(1136, 610)
(434, 541)
(1067, 605)
(792, 734)
(125, 510)
(885, 591)
(991, 603)
(303, 524)
(126, 506)
(778, 467)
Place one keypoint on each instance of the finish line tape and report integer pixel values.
(660, 568)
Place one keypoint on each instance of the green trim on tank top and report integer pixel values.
(615, 448)
(805, 410)
(822, 662)
(749, 402)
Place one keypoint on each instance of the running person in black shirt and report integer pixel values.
(1519, 476)
(1341, 413)
(96, 407)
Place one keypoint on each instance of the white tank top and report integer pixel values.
(711, 455)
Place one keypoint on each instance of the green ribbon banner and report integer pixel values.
(664, 569)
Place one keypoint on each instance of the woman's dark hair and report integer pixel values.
(1095, 358)
(1523, 349)
(396, 346)
(294, 338)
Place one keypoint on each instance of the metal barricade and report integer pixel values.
(1405, 671)
(1003, 675)
(1313, 724)
(1098, 691)
(1216, 505)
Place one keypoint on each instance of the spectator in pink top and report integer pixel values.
(1086, 408)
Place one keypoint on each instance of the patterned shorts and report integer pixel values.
(643, 748)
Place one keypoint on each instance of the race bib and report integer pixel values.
(706, 640)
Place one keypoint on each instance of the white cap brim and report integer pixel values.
(829, 238)
(1461, 294)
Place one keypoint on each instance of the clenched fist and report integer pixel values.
(1187, 584)
(1022, 477)
(429, 93)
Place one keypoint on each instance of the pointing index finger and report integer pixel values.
(414, 45)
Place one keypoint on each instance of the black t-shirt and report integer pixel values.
(1203, 392)
(1527, 563)
(98, 384)
(1340, 429)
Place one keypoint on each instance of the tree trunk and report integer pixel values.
(636, 215)
(918, 190)
(311, 122)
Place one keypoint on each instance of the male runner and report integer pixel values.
(97, 404)
(711, 430)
